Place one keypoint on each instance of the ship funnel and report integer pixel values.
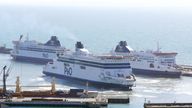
(54, 38)
(122, 47)
(123, 43)
(79, 45)
(53, 41)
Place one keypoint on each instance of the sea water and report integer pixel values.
(100, 30)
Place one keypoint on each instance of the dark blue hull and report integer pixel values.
(94, 83)
(32, 59)
(156, 73)
(50, 104)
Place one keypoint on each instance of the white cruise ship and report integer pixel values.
(105, 71)
(33, 51)
(151, 63)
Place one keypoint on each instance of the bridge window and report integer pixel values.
(151, 65)
(82, 67)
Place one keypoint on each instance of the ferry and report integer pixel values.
(33, 51)
(81, 65)
(150, 63)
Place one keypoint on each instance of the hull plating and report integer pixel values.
(95, 83)
(156, 73)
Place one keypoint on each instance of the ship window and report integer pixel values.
(82, 67)
(53, 67)
(120, 75)
(151, 65)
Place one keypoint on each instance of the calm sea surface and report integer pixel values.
(100, 30)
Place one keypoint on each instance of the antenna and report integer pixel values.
(87, 85)
(27, 37)
(158, 48)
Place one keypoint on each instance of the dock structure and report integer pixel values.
(93, 100)
(186, 70)
(114, 98)
(5, 50)
(59, 98)
(167, 105)
(54, 102)
(101, 100)
(189, 74)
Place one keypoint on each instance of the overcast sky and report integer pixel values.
(102, 3)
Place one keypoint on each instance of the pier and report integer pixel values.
(54, 98)
(54, 102)
(168, 105)
(5, 50)
(115, 98)
(186, 70)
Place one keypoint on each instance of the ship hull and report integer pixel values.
(106, 75)
(90, 82)
(5, 51)
(32, 59)
(156, 73)
(32, 51)
(33, 56)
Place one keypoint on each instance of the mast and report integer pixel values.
(21, 36)
(18, 88)
(4, 80)
(53, 85)
(158, 48)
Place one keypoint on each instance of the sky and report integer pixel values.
(103, 3)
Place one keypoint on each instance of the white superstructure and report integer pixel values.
(153, 63)
(101, 70)
(30, 50)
